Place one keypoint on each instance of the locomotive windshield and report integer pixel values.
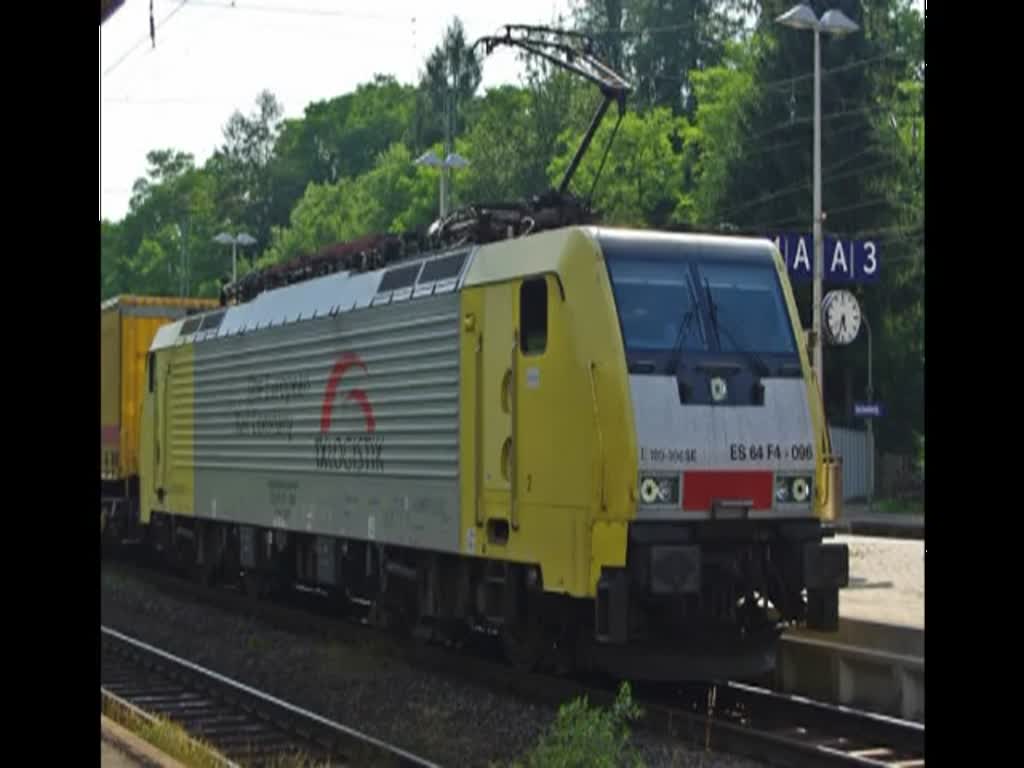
(683, 300)
(749, 311)
(657, 305)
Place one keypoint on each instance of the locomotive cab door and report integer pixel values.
(496, 392)
(532, 412)
(520, 460)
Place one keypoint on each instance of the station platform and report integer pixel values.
(875, 660)
(120, 748)
(886, 581)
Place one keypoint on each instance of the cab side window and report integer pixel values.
(533, 316)
(151, 369)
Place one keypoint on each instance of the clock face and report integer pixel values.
(842, 317)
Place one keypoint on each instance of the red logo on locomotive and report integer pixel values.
(347, 453)
(346, 361)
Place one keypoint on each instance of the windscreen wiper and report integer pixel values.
(684, 331)
(758, 364)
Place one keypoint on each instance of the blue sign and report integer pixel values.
(868, 410)
(846, 261)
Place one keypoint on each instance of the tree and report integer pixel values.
(657, 44)
(394, 196)
(642, 180)
(450, 80)
(112, 261)
(604, 20)
(339, 138)
(716, 139)
(245, 195)
(163, 245)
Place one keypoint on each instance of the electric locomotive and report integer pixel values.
(604, 445)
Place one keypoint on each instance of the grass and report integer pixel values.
(900, 506)
(167, 737)
(175, 742)
(584, 736)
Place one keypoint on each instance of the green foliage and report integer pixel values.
(589, 737)
(166, 736)
(659, 44)
(242, 167)
(450, 80)
(715, 141)
(342, 137)
(642, 180)
(394, 196)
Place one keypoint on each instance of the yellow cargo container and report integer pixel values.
(127, 327)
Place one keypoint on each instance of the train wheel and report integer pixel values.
(205, 564)
(254, 585)
(203, 573)
(525, 643)
(564, 650)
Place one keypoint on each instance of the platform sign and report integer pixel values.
(846, 261)
(868, 410)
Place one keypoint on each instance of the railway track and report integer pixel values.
(779, 729)
(245, 726)
(787, 730)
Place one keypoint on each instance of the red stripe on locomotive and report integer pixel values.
(701, 487)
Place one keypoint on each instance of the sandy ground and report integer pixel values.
(886, 581)
(112, 757)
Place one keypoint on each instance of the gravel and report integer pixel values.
(449, 721)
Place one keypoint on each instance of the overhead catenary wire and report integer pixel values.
(121, 59)
(835, 211)
(803, 185)
(790, 81)
(296, 10)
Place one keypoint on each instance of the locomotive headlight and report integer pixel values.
(659, 489)
(801, 489)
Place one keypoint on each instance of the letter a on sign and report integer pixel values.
(801, 261)
(839, 266)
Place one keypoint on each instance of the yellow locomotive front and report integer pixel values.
(725, 543)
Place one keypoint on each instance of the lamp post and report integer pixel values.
(242, 239)
(834, 23)
(453, 160)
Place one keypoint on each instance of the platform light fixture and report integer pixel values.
(242, 239)
(453, 160)
(836, 24)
